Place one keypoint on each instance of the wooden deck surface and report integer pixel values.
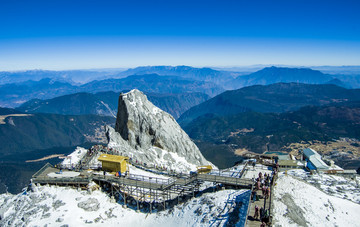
(251, 221)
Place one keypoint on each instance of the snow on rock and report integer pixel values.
(336, 185)
(150, 135)
(137, 171)
(74, 157)
(58, 206)
(297, 203)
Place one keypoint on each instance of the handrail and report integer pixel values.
(243, 170)
(248, 209)
(75, 180)
(150, 179)
(41, 170)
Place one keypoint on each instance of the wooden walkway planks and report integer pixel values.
(41, 177)
(250, 221)
(130, 182)
(235, 181)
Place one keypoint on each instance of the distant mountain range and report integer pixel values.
(219, 136)
(13, 95)
(155, 79)
(221, 78)
(271, 75)
(69, 76)
(153, 83)
(106, 103)
(233, 80)
(274, 98)
(41, 131)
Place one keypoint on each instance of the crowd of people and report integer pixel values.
(262, 190)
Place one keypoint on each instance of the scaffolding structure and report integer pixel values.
(143, 191)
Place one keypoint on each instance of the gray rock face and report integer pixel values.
(145, 132)
(91, 204)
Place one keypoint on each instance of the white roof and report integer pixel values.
(317, 162)
(309, 152)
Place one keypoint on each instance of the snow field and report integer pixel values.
(336, 185)
(57, 206)
(75, 157)
(297, 203)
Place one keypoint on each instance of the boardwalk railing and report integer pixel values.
(243, 170)
(226, 180)
(144, 181)
(129, 182)
(155, 180)
(62, 180)
(40, 171)
(248, 209)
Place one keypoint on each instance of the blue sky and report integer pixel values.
(66, 34)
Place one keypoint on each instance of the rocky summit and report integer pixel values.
(150, 135)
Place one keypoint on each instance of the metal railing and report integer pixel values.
(226, 180)
(40, 171)
(155, 180)
(62, 180)
(248, 209)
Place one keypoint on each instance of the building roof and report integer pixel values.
(112, 158)
(207, 167)
(309, 152)
(290, 163)
(317, 162)
(349, 171)
(284, 157)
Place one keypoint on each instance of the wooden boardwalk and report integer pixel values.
(151, 183)
(261, 203)
(251, 222)
(233, 181)
(140, 188)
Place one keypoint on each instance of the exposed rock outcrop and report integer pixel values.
(148, 134)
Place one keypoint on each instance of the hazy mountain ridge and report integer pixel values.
(105, 103)
(13, 95)
(271, 75)
(18, 93)
(153, 83)
(276, 98)
(259, 132)
(41, 131)
(221, 78)
(156, 79)
(69, 76)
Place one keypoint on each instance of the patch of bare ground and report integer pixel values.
(3, 117)
(46, 158)
(241, 151)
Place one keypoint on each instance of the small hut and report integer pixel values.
(113, 163)
(204, 169)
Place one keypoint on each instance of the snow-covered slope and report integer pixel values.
(298, 203)
(60, 206)
(74, 157)
(146, 133)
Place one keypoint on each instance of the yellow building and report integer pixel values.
(204, 169)
(113, 163)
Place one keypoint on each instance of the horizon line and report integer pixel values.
(206, 66)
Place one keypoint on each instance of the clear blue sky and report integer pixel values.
(70, 34)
